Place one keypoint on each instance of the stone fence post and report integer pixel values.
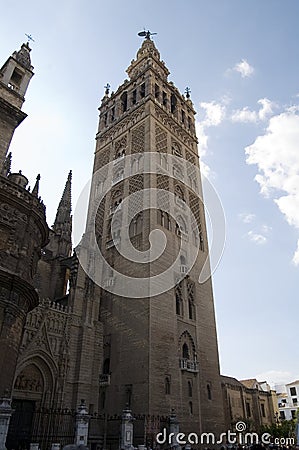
(174, 427)
(82, 423)
(127, 429)
(5, 415)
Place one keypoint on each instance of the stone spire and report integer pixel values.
(36, 186)
(63, 215)
(147, 55)
(23, 56)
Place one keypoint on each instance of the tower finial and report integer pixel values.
(146, 34)
(107, 88)
(30, 38)
(187, 92)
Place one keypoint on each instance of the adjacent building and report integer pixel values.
(288, 400)
(249, 401)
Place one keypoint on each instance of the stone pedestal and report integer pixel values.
(174, 427)
(5, 415)
(55, 447)
(127, 430)
(34, 446)
(82, 423)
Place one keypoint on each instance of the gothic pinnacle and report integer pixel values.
(36, 186)
(64, 209)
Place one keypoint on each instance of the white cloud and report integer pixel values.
(276, 377)
(247, 217)
(267, 108)
(295, 259)
(244, 68)
(257, 238)
(266, 229)
(277, 158)
(245, 115)
(213, 114)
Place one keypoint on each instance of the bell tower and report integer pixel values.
(15, 76)
(159, 349)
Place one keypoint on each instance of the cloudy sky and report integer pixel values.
(240, 60)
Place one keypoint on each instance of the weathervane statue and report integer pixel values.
(29, 37)
(147, 34)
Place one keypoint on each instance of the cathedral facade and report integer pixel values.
(74, 328)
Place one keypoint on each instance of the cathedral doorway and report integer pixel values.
(20, 428)
(32, 392)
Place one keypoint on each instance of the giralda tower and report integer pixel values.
(159, 349)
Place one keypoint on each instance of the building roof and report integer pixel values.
(250, 383)
(294, 382)
(230, 380)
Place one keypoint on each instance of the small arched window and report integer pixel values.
(178, 301)
(173, 102)
(167, 385)
(179, 193)
(124, 101)
(185, 351)
(106, 366)
(102, 400)
(209, 392)
(181, 225)
(182, 260)
(189, 389)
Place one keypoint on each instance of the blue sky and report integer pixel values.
(240, 60)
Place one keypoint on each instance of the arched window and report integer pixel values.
(189, 389)
(209, 392)
(173, 102)
(142, 90)
(181, 226)
(106, 366)
(121, 152)
(102, 400)
(136, 225)
(167, 385)
(182, 260)
(190, 408)
(176, 150)
(124, 102)
(163, 160)
(157, 91)
(191, 303)
(163, 219)
(185, 351)
(178, 301)
(179, 193)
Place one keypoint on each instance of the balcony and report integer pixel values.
(189, 365)
(104, 379)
